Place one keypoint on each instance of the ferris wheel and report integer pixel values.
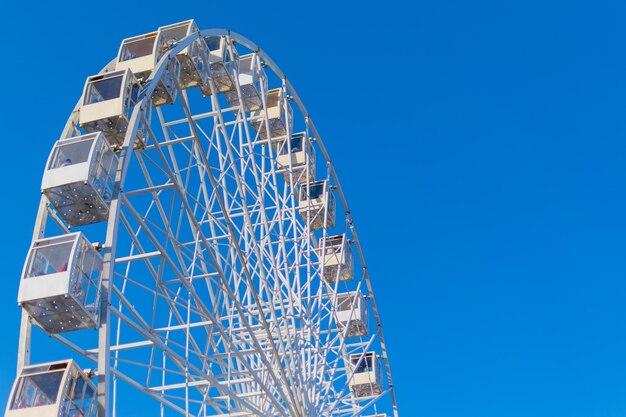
(193, 249)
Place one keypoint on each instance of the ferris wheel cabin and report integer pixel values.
(223, 62)
(79, 178)
(337, 257)
(252, 84)
(296, 157)
(60, 285)
(57, 389)
(366, 375)
(140, 54)
(194, 59)
(352, 314)
(279, 115)
(107, 103)
(316, 205)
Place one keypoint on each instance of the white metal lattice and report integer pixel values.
(229, 287)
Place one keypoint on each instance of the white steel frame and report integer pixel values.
(214, 297)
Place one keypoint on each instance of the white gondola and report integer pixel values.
(252, 84)
(337, 256)
(316, 205)
(57, 389)
(352, 314)
(108, 100)
(366, 375)
(79, 178)
(140, 54)
(194, 59)
(279, 115)
(296, 157)
(223, 63)
(60, 285)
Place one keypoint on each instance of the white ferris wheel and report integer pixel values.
(193, 251)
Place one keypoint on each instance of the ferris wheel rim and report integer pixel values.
(127, 151)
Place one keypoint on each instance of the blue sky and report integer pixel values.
(481, 146)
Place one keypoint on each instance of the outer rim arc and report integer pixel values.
(72, 122)
(253, 46)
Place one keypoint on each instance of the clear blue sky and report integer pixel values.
(482, 148)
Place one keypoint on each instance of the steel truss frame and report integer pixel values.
(215, 301)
